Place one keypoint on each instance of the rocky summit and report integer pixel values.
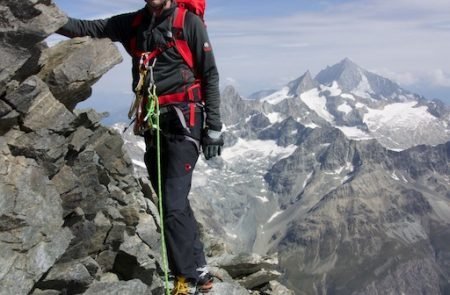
(339, 183)
(73, 217)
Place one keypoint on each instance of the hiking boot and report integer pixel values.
(205, 280)
(182, 286)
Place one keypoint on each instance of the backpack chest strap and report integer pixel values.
(179, 41)
(148, 57)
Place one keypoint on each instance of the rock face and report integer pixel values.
(73, 217)
(345, 214)
(65, 68)
(32, 237)
(24, 24)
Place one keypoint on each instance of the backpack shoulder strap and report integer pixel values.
(180, 41)
(137, 20)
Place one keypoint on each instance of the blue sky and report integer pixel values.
(264, 44)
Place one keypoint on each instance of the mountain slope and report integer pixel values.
(362, 213)
(346, 179)
(358, 205)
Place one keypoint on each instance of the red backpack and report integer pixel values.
(194, 93)
(195, 6)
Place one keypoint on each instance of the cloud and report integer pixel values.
(401, 78)
(440, 78)
(436, 77)
(406, 38)
(294, 45)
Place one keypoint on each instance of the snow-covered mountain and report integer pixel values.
(346, 176)
(352, 78)
(363, 106)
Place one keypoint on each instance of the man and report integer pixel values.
(179, 142)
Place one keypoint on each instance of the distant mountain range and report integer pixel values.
(346, 176)
(363, 105)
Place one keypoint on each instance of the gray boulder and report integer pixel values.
(71, 67)
(259, 278)
(133, 287)
(276, 288)
(38, 107)
(31, 233)
(23, 25)
(244, 264)
(71, 276)
(227, 288)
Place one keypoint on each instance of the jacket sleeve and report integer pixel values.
(116, 28)
(205, 67)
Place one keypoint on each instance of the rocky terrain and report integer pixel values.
(340, 182)
(73, 217)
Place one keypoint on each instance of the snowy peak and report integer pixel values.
(293, 89)
(348, 75)
(302, 84)
(353, 79)
(363, 105)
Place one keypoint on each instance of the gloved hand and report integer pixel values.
(212, 143)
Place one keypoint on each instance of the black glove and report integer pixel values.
(212, 143)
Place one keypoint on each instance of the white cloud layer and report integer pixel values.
(405, 38)
(441, 78)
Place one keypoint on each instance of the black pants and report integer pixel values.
(178, 159)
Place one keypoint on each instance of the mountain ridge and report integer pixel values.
(362, 104)
(365, 176)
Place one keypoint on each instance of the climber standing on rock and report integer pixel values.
(173, 61)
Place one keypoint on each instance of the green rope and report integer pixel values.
(153, 121)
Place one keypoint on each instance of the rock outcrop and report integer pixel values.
(73, 217)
